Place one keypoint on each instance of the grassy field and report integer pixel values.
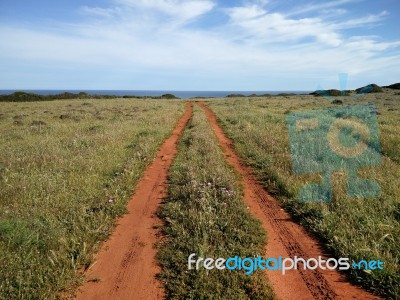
(67, 169)
(205, 214)
(358, 228)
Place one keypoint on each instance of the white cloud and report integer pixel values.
(276, 27)
(258, 23)
(98, 11)
(245, 13)
(367, 45)
(358, 22)
(333, 12)
(151, 37)
(182, 10)
(320, 7)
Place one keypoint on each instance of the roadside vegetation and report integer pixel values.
(67, 169)
(205, 214)
(358, 228)
(32, 97)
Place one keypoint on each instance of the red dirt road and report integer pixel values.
(286, 238)
(126, 266)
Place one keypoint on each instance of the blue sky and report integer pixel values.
(197, 44)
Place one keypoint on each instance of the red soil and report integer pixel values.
(286, 238)
(126, 265)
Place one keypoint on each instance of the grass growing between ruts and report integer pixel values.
(67, 169)
(358, 228)
(205, 214)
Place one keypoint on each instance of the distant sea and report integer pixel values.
(180, 94)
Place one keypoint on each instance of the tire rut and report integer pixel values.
(286, 238)
(126, 266)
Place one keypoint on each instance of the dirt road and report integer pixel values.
(286, 238)
(126, 265)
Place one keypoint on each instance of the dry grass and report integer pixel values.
(67, 169)
(205, 214)
(353, 227)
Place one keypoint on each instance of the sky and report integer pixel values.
(255, 45)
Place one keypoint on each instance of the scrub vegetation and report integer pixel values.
(205, 215)
(67, 169)
(358, 228)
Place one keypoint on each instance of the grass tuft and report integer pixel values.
(350, 227)
(63, 183)
(205, 214)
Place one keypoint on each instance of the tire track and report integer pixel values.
(126, 265)
(286, 238)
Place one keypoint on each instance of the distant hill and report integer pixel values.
(370, 88)
(30, 97)
(235, 96)
(22, 97)
(395, 86)
(331, 93)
